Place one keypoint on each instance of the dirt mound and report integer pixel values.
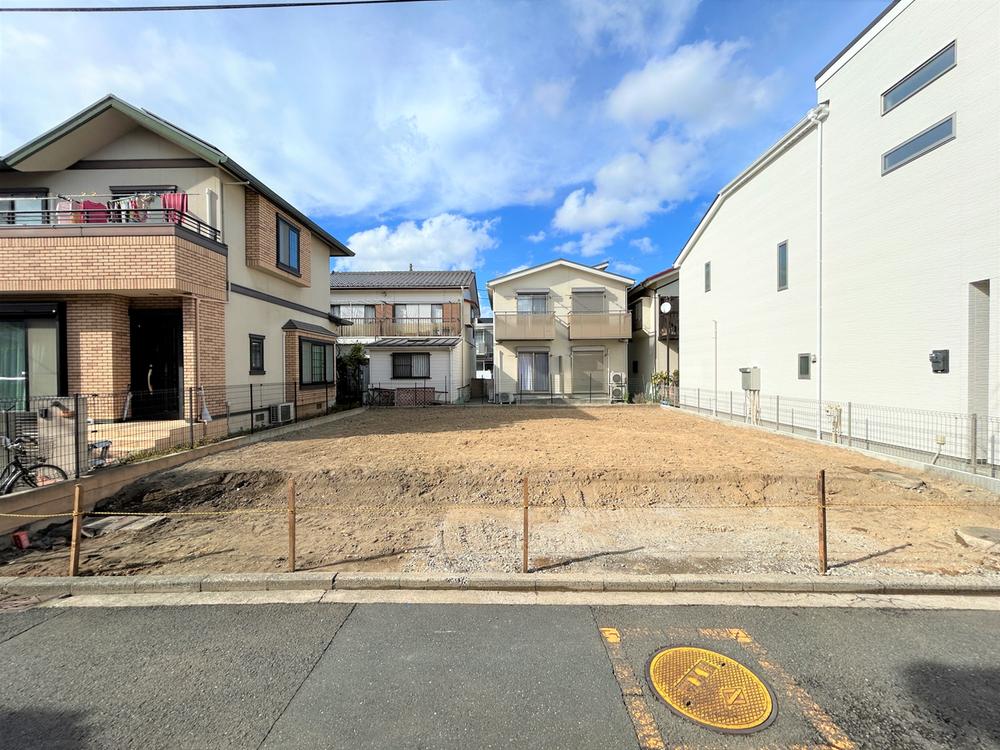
(183, 489)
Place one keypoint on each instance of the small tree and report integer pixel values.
(660, 380)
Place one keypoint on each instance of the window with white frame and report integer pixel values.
(412, 311)
(355, 312)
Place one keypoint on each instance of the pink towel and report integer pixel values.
(95, 213)
(176, 205)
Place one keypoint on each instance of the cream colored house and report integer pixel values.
(561, 330)
(655, 343)
(417, 330)
(144, 265)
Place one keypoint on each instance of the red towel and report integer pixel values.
(95, 213)
(176, 204)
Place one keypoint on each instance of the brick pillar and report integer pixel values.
(97, 344)
(210, 363)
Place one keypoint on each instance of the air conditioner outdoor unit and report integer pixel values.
(618, 378)
(617, 393)
(281, 413)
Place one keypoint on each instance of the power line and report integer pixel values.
(218, 6)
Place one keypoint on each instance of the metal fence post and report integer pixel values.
(191, 415)
(973, 439)
(730, 406)
(850, 442)
(698, 402)
(251, 408)
(76, 434)
(777, 413)
(821, 498)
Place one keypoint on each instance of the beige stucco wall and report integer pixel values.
(560, 280)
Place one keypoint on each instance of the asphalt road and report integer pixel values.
(483, 676)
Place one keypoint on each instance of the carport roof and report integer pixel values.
(398, 343)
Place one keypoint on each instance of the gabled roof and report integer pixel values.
(170, 132)
(651, 281)
(789, 139)
(863, 37)
(557, 262)
(402, 279)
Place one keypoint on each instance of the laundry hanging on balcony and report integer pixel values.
(94, 212)
(175, 205)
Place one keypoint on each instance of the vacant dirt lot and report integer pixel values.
(628, 489)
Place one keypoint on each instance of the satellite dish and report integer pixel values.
(665, 307)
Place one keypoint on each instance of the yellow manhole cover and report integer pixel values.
(711, 689)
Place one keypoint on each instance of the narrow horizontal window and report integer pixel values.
(919, 144)
(930, 71)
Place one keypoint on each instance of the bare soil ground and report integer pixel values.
(613, 489)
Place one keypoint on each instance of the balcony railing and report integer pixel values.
(524, 326)
(600, 325)
(669, 326)
(411, 327)
(90, 217)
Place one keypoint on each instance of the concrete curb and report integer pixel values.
(532, 582)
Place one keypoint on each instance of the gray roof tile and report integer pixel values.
(402, 279)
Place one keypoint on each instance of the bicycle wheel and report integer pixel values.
(39, 475)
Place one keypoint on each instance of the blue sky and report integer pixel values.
(490, 134)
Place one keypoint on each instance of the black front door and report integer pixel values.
(156, 364)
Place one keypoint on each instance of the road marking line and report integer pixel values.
(646, 730)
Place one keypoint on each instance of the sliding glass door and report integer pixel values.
(30, 353)
(13, 365)
(533, 372)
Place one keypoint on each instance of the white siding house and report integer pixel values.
(906, 242)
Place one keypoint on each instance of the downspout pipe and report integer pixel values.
(818, 115)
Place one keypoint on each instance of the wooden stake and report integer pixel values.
(524, 539)
(74, 542)
(822, 520)
(291, 525)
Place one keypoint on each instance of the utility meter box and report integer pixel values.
(939, 360)
(751, 378)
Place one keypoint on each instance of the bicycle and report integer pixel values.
(16, 476)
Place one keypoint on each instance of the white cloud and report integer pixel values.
(700, 86)
(551, 96)
(632, 187)
(590, 244)
(625, 269)
(537, 237)
(638, 25)
(443, 242)
(644, 245)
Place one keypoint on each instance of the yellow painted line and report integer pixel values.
(833, 735)
(646, 730)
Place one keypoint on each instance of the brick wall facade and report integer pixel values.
(159, 259)
(98, 354)
(309, 400)
(262, 240)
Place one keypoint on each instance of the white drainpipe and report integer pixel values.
(818, 115)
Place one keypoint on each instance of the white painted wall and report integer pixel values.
(900, 250)
(444, 370)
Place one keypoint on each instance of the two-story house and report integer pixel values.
(561, 330)
(655, 306)
(416, 327)
(145, 265)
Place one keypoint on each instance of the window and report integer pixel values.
(411, 365)
(927, 73)
(708, 276)
(635, 367)
(532, 304)
(805, 366)
(533, 372)
(288, 246)
(23, 206)
(782, 266)
(316, 362)
(919, 144)
(355, 312)
(423, 311)
(256, 354)
(589, 302)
